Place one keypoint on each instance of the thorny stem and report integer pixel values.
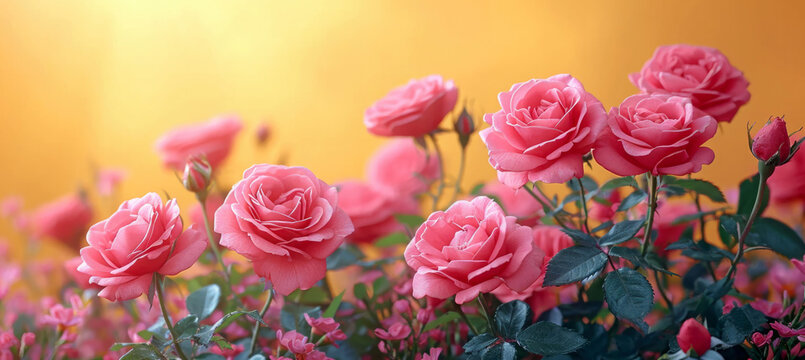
(467, 320)
(482, 303)
(256, 329)
(652, 207)
(668, 302)
(752, 216)
(174, 337)
(583, 201)
(440, 189)
(461, 164)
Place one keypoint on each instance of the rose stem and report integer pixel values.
(545, 206)
(256, 328)
(202, 199)
(440, 189)
(159, 287)
(742, 236)
(460, 175)
(652, 207)
(583, 201)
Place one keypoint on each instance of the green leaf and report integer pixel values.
(333, 307)
(480, 342)
(501, 351)
(622, 231)
(633, 199)
(186, 326)
(740, 323)
(441, 320)
(620, 182)
(777, 236)
(360, 291)
(393, 239)
(701, 187)
(202, 302)
(574, 264)
(695, 216)
(511, 318)
(476, 189)
(728, 229)
(748, 193)
(589, 184)
(204, 336)
(580, 237)
(344, 256)
(547, 339)
(313, 296)
(141, 351)
(628, 294)
(411, 221)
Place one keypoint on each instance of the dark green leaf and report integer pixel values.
(545, 338)
(684, 219)
(393, 239)
(620, 182)
(501, 351)
(511, 318)
(701, 187)
(333, 307)
(622, 231)
(411, 221)
(480, 342)
(740, 323)
(580, 237)
(632, 200)
(777, 236)
(748, 193)
(360, 291)
(140, 352)
(344, 256)
(186, 326)
(589, 184)
(441, 320)
(574, 264)
(313, 296)
(476, 190)
(202, 302)
(628, 294)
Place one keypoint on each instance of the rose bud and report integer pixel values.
(464, 127)
(770, 140)
(197, 174)
(693, 335)
(263, 133)
(28, 339)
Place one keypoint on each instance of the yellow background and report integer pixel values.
(97, 82)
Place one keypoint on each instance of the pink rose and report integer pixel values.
(785, 184)
(64, 220)
(516, 202)
(106, 180)
(143, 237)
(472, 248)
(81, 279)
(414, 109)
(285, 221)
(701, 73)
(402, 168)
(660, 134)
(372, 211)
(772, 139)
(543, 130)
(212, 139)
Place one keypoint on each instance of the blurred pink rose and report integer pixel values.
(785, 184)
(701, 73)
(212, 139)
(286, 222)
(605, 212)
(10, 206)
(62, 317)
(402, 168)
(472, 248)
(660, 134)
(81, 279)
(516, 202)
(372, 211)
(414, 109)
(543, 130)
(7, 342)
(667, 231)
(9, 274)
(397, 331)
(65, 220)
(106, 180)
(295, 342)
(143, 237)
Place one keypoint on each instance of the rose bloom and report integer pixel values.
(143, 237)
(516, 202)
(64, 220)
(701, 73)
(286, 222)
(667, 231)
(372, 211)
(212, 139)
(543, 130)
(106, 180)
(81, 279)
(785, 183)
(471, 248)
(414, 109)
(402, 168)
(659, 134)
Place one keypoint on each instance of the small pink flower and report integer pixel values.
(667, 231)
(402, 306)
(396, 331)
(372, 210)
(800, 265)
(294, 342)
(701, 73)
(197, 175)
(658, 134)
(414, 109)
(28, 338)
(65, 220)
(322, 325)
(543, 130)
(212, 139)
(785, 184)
(63, 317)
(786, 331)
(401, 168)
(143, 237)
(729, 304)
(81, 279)
(770, 309)
(228, 354)
(761, 340)
(286, 221)
(106, 180)
(433, 354)
(9, 274)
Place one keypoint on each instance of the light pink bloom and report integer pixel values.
(7, 342)
(372, 211)
(286, 222)
(800, 265)
(294, 342)
(64, 220)
(667, 231)
(63, 317)
(28, 338)
(433, 354)
(701, 73)
(81, 279)
(658, 134)
(543, 130)
(771, 309)
(143, 237)
(396, 331)
(761, 340)
(786, 331)
(401, 168)
(414, 109)
(472, 248)
(108, 179)
(9, 274)
(228, 354)
(212, 139)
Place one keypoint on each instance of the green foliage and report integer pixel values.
(203, 302)
(574, 264)
(511, 318)
(620, 182)
(392, 240)
(344, 256)
(740, 323)
(441, 320)
(633, 199)
(701, 187)
(629, 295)
(777, 236)
(620, 232)
(546, 338)
(748, 193)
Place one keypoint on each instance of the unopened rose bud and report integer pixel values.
(197, 175)
(263, 133)
(693, 335)
(464, 127)
(772, 139)
(28, 339)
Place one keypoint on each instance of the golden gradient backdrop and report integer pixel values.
(96, 82)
